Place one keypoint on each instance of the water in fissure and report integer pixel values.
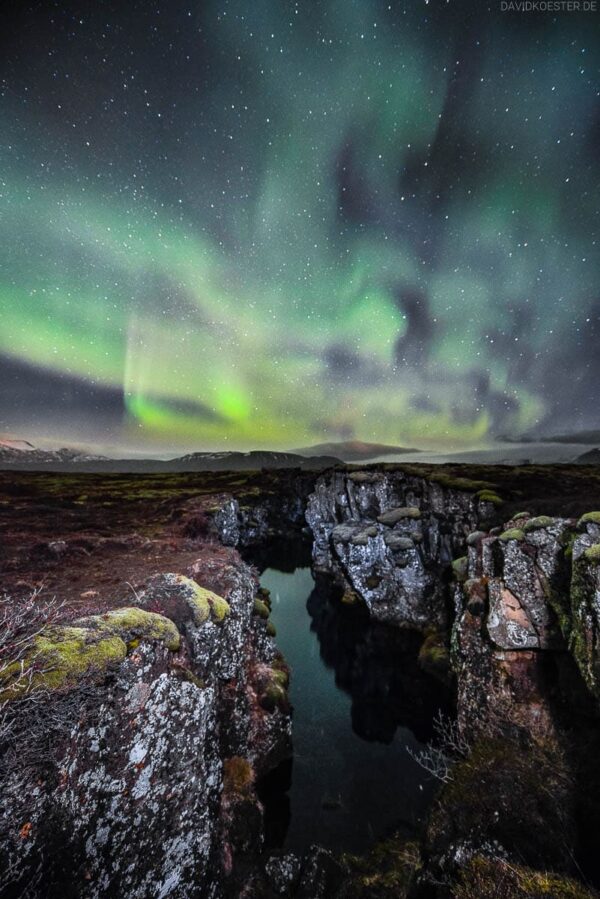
(362, 710)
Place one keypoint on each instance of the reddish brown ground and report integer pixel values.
(95, 539)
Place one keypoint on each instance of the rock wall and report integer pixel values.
(386, 538)
(146, 787)
(526, 608)
(253, 519)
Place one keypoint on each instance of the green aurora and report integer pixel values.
(275, 223)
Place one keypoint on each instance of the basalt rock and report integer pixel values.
(526, 610)
(388, 537)
(146, 786)
(252, 519)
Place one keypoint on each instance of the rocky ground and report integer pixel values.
(139, 715)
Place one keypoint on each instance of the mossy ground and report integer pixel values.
(100, 513)
(386, 872)
(512, 791)
(485, 878)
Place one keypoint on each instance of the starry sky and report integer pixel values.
(267, 224)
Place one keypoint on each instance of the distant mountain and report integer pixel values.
(14, 453)
(232, 461)
(353, 450)
(28, 458)
(575, 437)
(590, 458)
(21, 445)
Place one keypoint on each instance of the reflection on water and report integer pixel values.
(359, 701)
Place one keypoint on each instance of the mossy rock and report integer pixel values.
(271, 629)
(488, 496)
(593, 554)
(492, 878)
(581, 642)
(273, 693)
(134, 625)
(260, 608)
(204, 604)
(589, 518)
(395, 515)
(474, 538)
(434, 656)
(538, 523)
(460, 568)
(512, 534)
(63, 657)
(521, 515)
(350, 597)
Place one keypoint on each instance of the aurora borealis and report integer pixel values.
(266, 224)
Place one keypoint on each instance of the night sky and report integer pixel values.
(264, 223)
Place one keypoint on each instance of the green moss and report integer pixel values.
(61, 658)
(185, 674)
(265, 595)
(271, 629)
(593, 554)
(434, 656)
(238, 776)
(589, 518)
(280, 677)
(350, 597)
(521, 515)
(512, 534)
(457, 483)
(260, 608)
(493, 878)
(393, 516)
(273, 692)
(204, 603)
(460, 568)
(488, 496)
(536, 524)
(133, 625)
(386, 872)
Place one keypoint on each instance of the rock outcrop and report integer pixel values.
(387, 537)
(161, 718)
(526, 599)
